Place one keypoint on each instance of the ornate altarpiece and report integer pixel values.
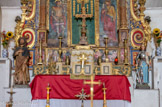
(40, 25)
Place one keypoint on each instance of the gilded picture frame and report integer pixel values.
(106, 69)
(76, 68)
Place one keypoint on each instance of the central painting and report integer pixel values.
(62, 21)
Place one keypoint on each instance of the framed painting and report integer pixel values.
(106, 68)
(113, 53)
(57, 22)
(76, 68)
(108, 19)
(52, 55)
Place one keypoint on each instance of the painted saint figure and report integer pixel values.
(58, 19)
(108, 19)
(141, 63)
(21, 56)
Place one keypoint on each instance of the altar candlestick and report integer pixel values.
(9, 104)
(40, 52)
(60, 47)
(11, 89)
(104, 92)
(125, 52)
(106, 49)
(48, 97)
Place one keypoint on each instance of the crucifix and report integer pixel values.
(83, 15)
(92, 83)
(83, 58)
(82, 96)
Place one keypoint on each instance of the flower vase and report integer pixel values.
(158, 51)
(5, 53)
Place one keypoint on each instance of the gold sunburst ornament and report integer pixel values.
(156, 31)
(9, 34)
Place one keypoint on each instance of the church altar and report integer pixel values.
(64, 89)
(70, 39)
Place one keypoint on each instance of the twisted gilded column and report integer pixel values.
(123, 16)
(42, 14)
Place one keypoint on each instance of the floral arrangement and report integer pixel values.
(158, 35)
(6, 37)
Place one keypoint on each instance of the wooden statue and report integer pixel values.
(21, 56)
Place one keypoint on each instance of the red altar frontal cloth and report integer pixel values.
(62, 87)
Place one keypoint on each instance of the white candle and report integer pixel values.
(103, 85)
(11, 90)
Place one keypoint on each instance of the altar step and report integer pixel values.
(146, 98)
(22, 97)
(140, 98)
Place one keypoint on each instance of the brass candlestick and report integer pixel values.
(60, 47)
(106, 49)
(125, 52)
(104, 92)
(48, 96)
(40, 53)
(10, 103)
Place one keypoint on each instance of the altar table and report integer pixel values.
(63, 88)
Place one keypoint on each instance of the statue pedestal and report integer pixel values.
(142, 86)
(5, 66)
(147, 97)
(157, 74)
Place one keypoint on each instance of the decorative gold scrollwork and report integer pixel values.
(28, 13)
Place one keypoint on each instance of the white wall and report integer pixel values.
(8, 15)
(156, 17)
(0, 28)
